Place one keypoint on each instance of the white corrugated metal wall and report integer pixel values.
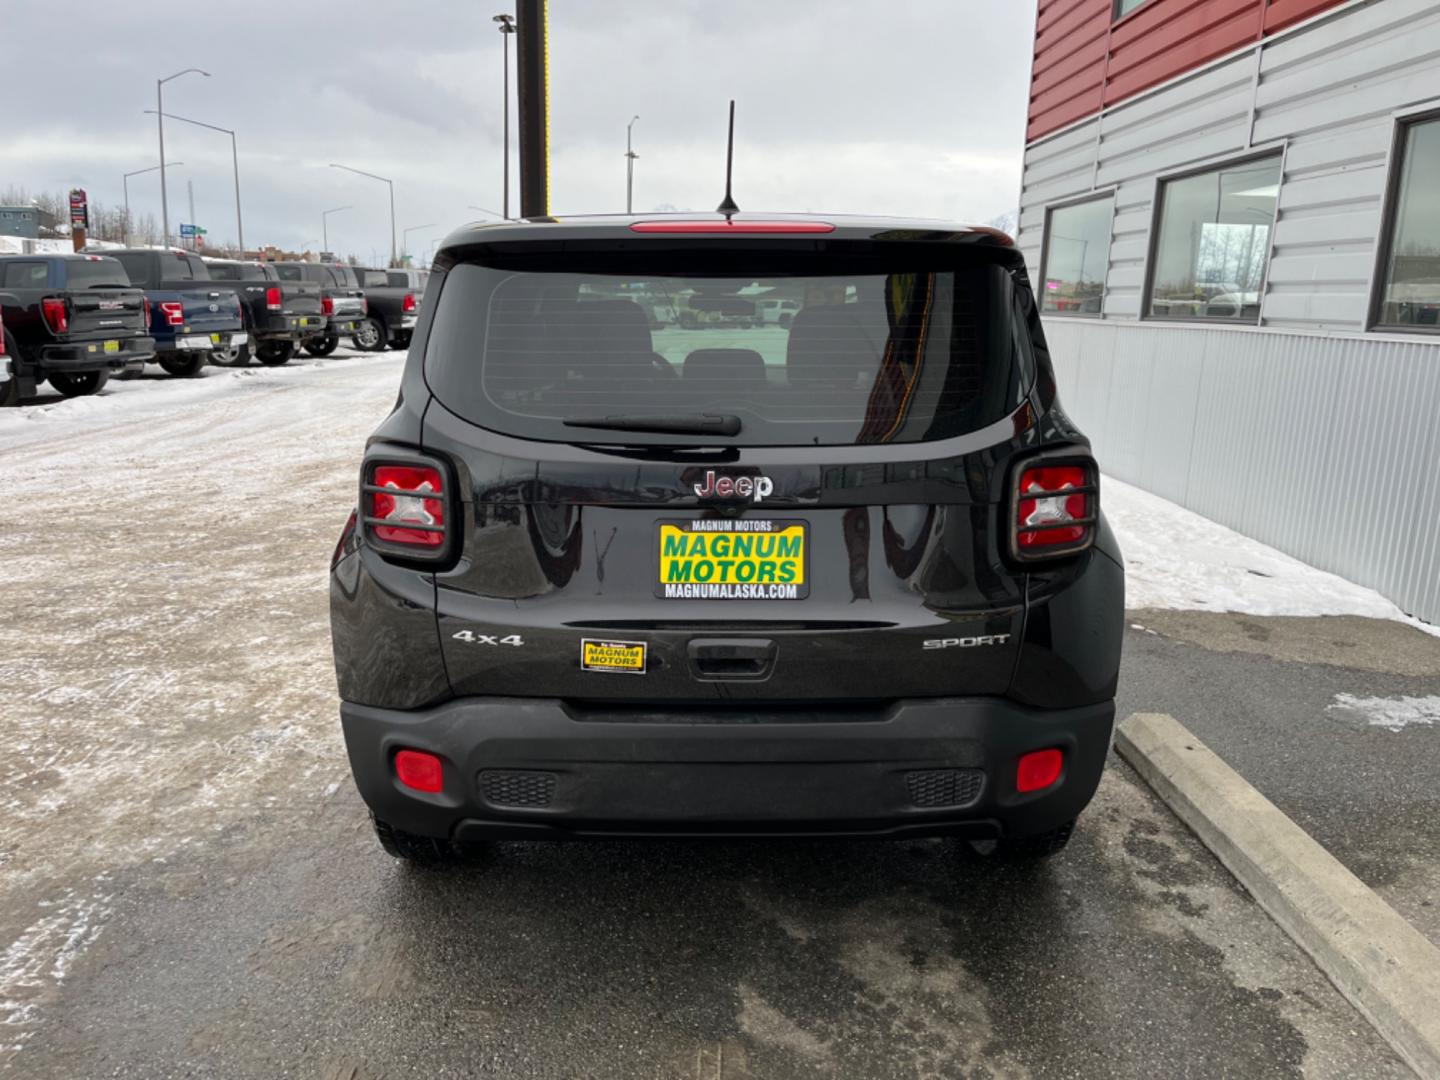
(1323, 440)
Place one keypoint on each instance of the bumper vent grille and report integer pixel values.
(512, 787)
(945, 787)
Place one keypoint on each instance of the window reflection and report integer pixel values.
(1213, 243)
(1411, 296)
(1077, 254)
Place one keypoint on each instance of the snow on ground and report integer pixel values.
(1392, 713)
(1174, 558)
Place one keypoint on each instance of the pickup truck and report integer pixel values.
(393, 302)
(341, 298)
(278, 314)
(191, 316)
(71, 319)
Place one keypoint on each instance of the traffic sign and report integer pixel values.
(191, 230)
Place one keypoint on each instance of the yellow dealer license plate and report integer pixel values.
(625, 657)
(112, 346)
(709, 559)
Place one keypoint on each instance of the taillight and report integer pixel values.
(272, 298)
(172, 310)
(56, 317)
(364, 306)
(145, 307)
(2, 339)
(1055, 507)
(404, 508)
(408, 304)
(420, 771)
(1038, 770)
(327, 305)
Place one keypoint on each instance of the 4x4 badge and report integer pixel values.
(731, 487)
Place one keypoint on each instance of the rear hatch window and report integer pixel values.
(101, 273)
(902, 345)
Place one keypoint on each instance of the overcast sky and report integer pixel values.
(909, 107)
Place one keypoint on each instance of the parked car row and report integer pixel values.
(74, 320)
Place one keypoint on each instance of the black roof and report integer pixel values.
(618, 227)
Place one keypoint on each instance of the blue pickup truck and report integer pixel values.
(191, 316)
(69, 319)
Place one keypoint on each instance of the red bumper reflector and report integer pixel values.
(419, 771)
(1038, 770)
(732, 228)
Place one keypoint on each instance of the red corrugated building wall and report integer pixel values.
(1085, 60)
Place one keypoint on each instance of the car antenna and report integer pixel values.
(727, 205)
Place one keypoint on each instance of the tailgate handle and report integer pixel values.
(731, 658)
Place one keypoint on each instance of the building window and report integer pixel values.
(1212, 242)
(1077, 254)
(1124, 7)
(1411, 290)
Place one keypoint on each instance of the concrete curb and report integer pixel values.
(1383, 965)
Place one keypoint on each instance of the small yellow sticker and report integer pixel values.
(625, 657)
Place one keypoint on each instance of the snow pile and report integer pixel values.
(1393, 714)
(1174, 558)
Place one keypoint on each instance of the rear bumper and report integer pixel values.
(532, 768)
(91, 355)
(206, 342)
(288, 327)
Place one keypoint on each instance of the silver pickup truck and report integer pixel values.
(342, 301)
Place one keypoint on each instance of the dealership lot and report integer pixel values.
(190, 886)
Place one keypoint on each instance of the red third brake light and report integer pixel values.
(408, 304)
(420, 771)
(272, 298)
(1038, 770)
(1055, 510)
(56, 316)
(410, 510)
(327, 305)
(730, 227)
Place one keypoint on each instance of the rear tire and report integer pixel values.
(79, 383)
(402, 340)
(416, 850)
(1025, 849)
(184, 369)
(322, 346)
(274, 353)
(235, 356)
(369, 336)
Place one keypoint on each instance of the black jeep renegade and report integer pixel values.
(630, 559)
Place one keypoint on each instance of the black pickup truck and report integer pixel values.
(341, 298)
(278, 314)
(191, 316)
(393, 305)
(72, 319)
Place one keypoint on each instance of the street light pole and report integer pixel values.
(160, 126)
(405, 245)
(630, 157)
(372, 176)
(234, 160)
(506, 28)
(325, 226)
(125, 183)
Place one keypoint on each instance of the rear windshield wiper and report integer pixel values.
(682, 424)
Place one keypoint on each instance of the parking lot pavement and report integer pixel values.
(1336, 720)
(189, 885)
(289, 945)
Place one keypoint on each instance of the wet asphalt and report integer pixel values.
(293, 947)
(1252, 690)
